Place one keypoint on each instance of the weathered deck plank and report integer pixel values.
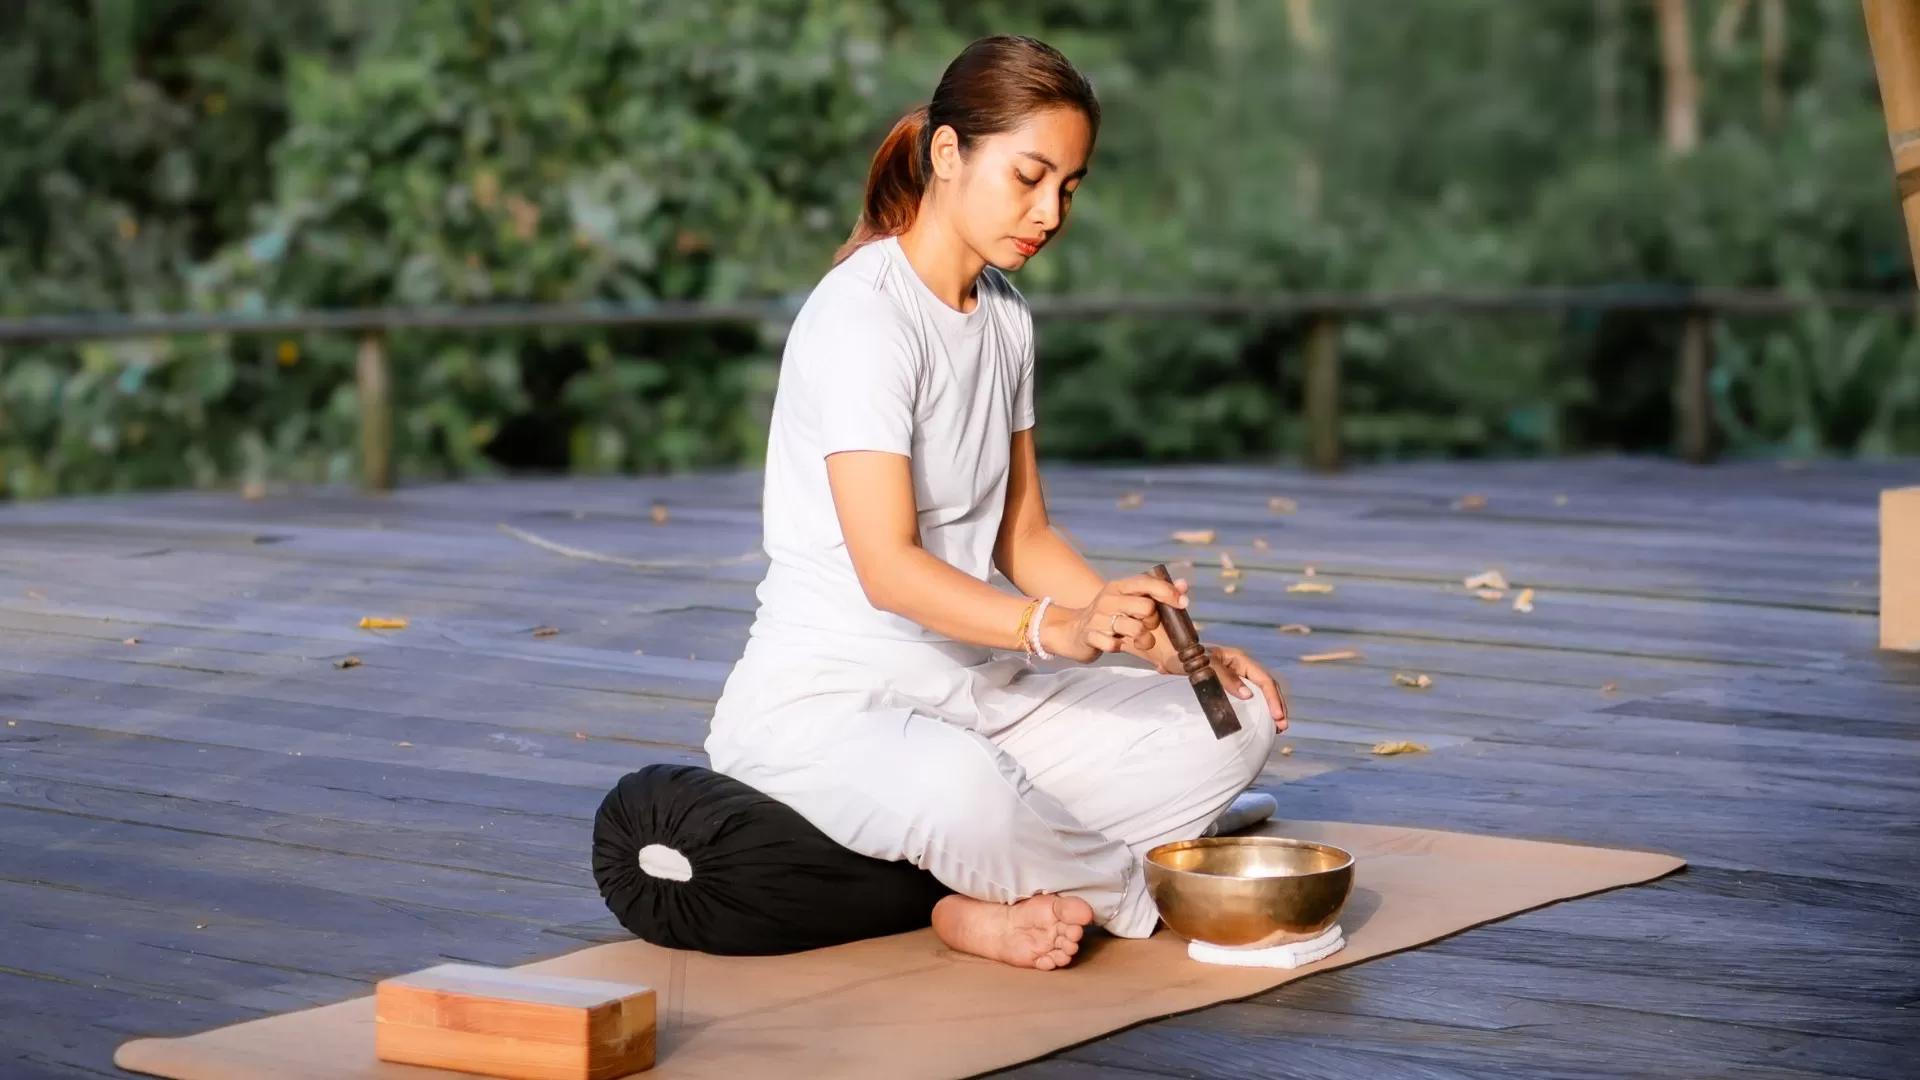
(217, 822)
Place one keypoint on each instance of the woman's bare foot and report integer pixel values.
(1039, 932)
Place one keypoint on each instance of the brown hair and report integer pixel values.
(994, 85)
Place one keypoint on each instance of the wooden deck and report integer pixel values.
(216, 821)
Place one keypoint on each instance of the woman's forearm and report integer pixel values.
(1043, 563)
(925, 588)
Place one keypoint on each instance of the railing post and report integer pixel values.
(375, 380)
(1692, 402)
(1322, 392)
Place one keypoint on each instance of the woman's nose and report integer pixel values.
(1046, 215)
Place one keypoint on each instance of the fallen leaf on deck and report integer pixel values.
(1399, 747)
(1491, 579)
(1610, 688)
(376, 622)
(253, 490)
(1414, 681)
(1286, 751)
(1131, 500)
(199, 926)
(1490, 594)
(131, 641)
(659, 513)
(1296, 628)
(1194, 536)
(36, 594)
(1309, 571)
(403, 744)
(1227, 569)
(545, 631)
(1310, 586)
(639, 652)
(13, 723)
(579, 734)
(1259, 543)
(351, 661)
(1524, 602)
(1232, 587)
(1324, 657)
(1470, 502)
(1280, 504)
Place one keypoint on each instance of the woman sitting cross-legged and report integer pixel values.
(878, 696)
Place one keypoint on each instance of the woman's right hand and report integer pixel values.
(1120, 616)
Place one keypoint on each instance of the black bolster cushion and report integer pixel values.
(759, 878)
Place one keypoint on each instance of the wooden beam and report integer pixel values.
(1893, 33)
(1322, 404)
(1773, 55)
(375, 379)
(1609, 37)
(1692, 400)
(1681, 84)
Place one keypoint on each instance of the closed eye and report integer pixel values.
(1025, 179)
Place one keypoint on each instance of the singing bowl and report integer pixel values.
(1249, 891)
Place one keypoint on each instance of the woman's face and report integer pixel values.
(1011, 192)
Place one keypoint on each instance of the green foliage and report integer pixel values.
(459, 155)
(243, 155)
(1819, 383)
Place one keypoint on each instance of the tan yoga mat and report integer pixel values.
(905, 1006)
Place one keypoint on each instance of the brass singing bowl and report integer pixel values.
(1249, 891)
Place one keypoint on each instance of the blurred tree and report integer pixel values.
(245, 154)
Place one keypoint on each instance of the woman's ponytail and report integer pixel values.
(895, 182)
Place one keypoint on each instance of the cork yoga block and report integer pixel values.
(499, 1022)
(1900, 569)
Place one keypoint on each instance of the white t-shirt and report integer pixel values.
(876, 361)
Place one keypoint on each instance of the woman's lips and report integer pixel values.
(1027, 248)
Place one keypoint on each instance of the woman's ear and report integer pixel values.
(944, 150)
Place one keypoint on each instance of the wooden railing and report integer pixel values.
(1324, 312)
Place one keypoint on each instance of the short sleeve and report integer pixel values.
(1023, 391)
(865, 377)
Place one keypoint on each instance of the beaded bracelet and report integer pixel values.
(1033, 630)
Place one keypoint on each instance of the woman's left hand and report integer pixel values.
(1236, 669)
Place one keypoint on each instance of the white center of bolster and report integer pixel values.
(658, 860)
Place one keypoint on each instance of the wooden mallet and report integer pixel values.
(1178, 626)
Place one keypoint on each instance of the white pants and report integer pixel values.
(1001, 780)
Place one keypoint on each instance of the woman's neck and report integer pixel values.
(944, 262)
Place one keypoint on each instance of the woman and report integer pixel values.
(872, 696)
